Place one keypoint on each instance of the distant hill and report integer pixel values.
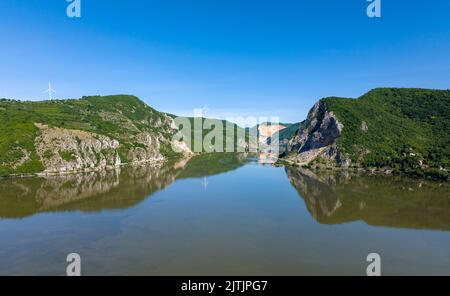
(228, 137)
(75, 135)
(404, 131)
(265, 131)
(399, 131)
(283, 136)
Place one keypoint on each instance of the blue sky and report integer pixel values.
(239, 57)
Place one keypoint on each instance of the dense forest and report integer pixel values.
(405, 129)
(119, 117)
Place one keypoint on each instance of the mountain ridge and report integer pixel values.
(91, 133)
(391, 130)
(386, 130)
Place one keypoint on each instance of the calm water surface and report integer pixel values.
(223, 215)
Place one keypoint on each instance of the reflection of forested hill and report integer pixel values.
(96, 191)
(213, 164)
(379, 201)
(114, 189)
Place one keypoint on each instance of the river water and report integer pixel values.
(223, 214)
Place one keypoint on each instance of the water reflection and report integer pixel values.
(330, 198)
(114, 189)
(376, 200)
(247, 219)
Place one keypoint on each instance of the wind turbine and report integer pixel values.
(50, 90)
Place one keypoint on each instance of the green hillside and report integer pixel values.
(120, 117)
(228, 137)
(406, 129)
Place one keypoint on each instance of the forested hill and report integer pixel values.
(407, 130)
(75, 135)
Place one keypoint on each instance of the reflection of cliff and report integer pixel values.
(96, 191)
(378, 201)
(114, 189)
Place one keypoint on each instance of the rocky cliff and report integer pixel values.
(393, 131)
(317, 139)
(92, 133)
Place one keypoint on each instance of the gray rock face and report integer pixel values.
(64, 150)
(317, 138)
(90, 134)
(321, 129)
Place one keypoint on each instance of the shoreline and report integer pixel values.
(88, 170)
(354, 171)
(359, 171)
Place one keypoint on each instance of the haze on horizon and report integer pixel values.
(252, 58)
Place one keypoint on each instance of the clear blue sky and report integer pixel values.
(242, 57)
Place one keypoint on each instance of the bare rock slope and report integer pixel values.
(387, 130)
(92, 133)
(317, 138)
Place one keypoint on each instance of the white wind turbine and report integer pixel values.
(50, 90)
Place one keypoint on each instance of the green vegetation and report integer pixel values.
(404, 129)
(229, 136)
(67, 155)
(119, 117)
